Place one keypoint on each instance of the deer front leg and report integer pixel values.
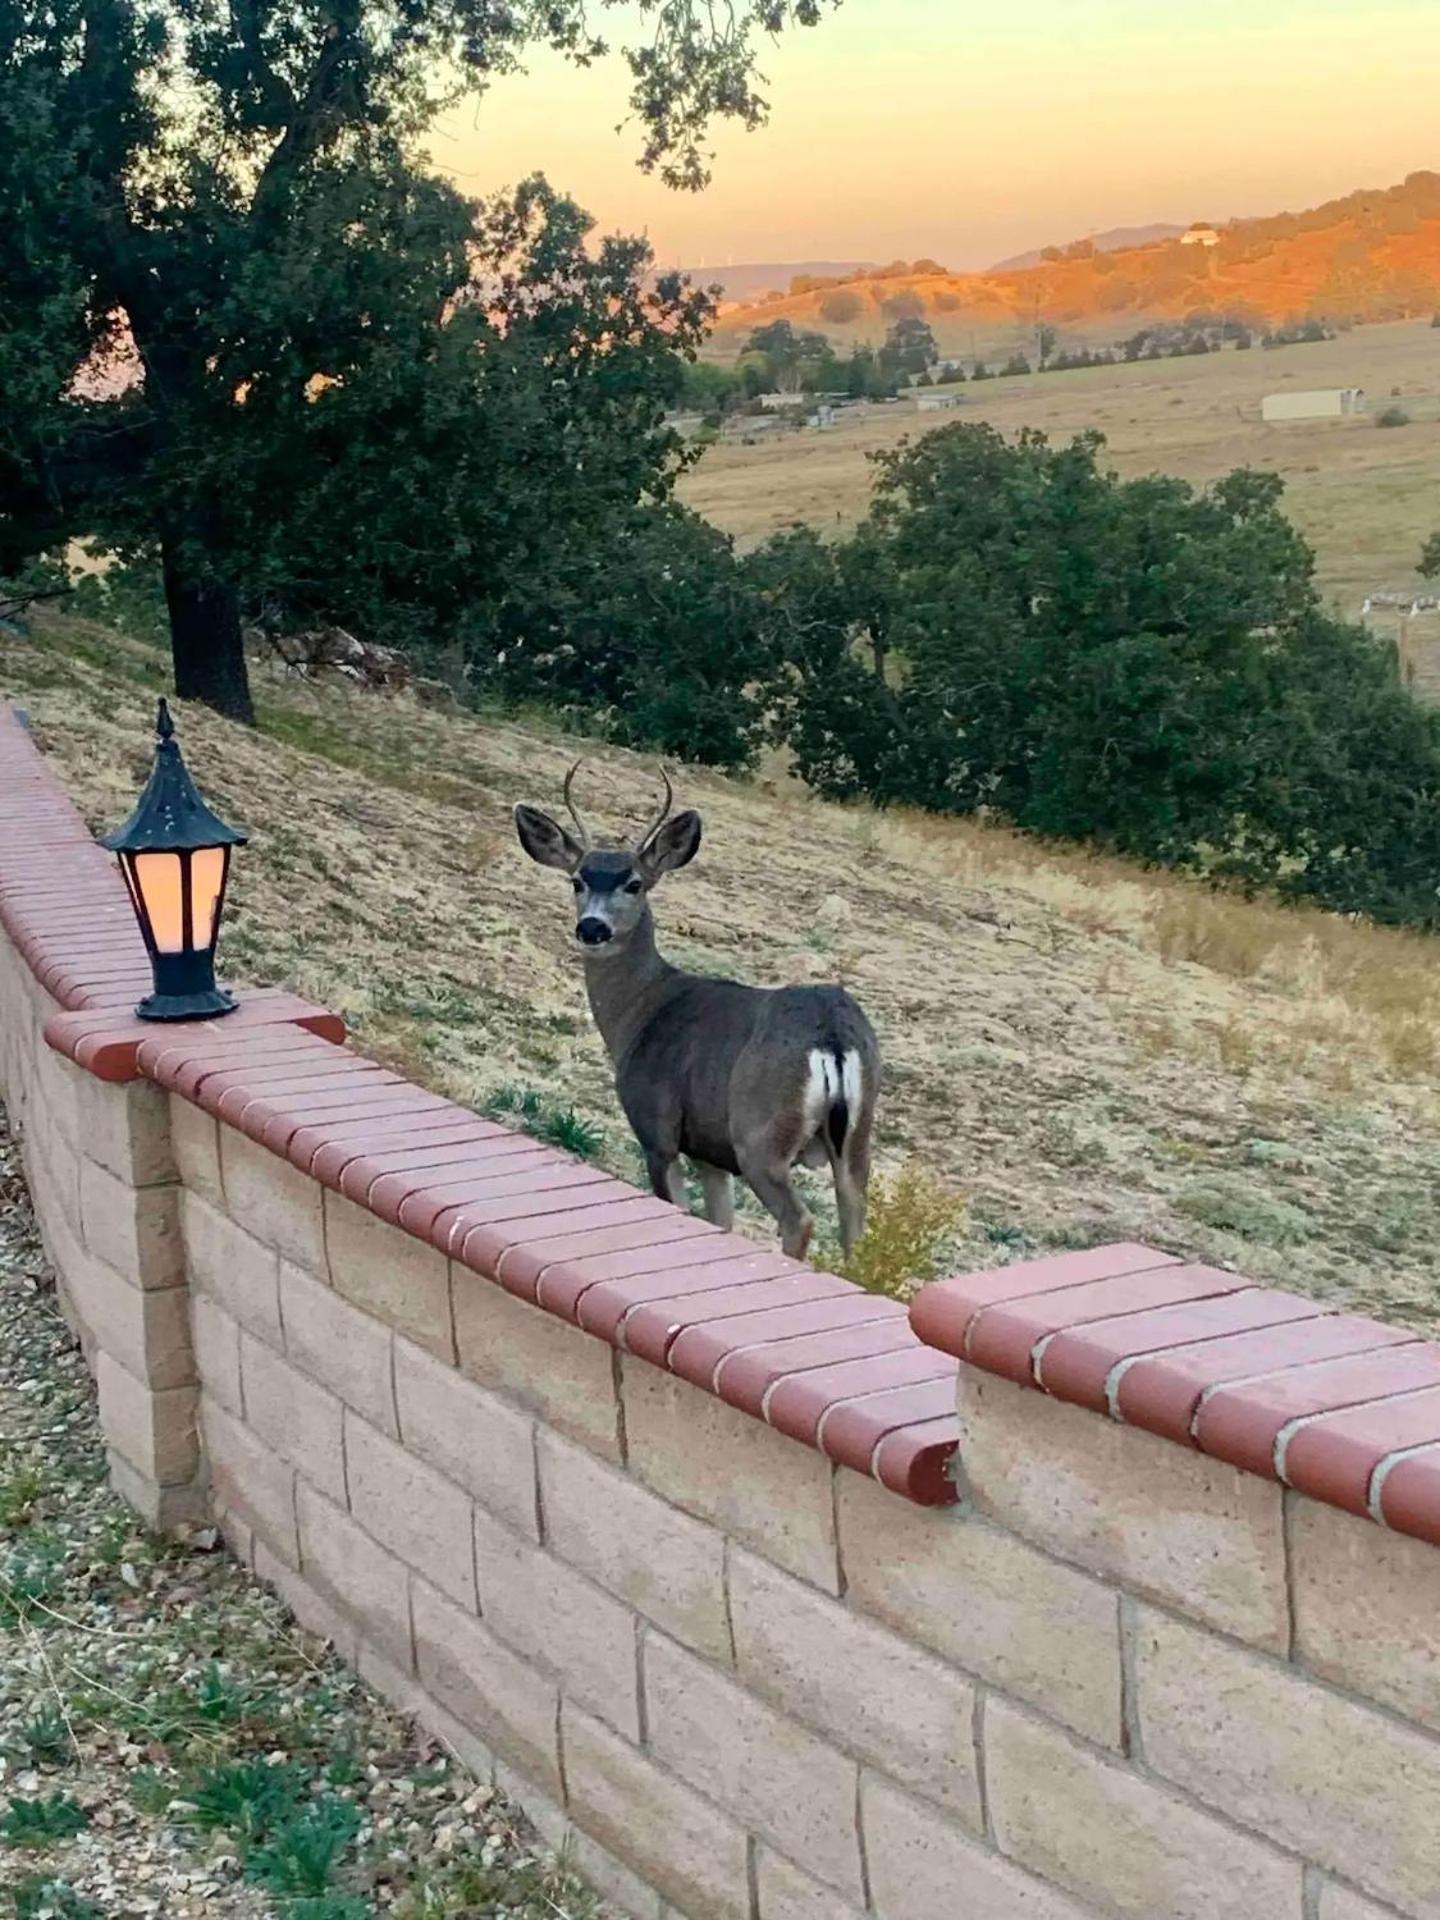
(719, 1190)
(667, 1182)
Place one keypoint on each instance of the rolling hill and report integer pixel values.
(1372, 255)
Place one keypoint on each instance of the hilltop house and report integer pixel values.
(1200, 236)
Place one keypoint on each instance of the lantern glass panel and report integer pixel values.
(207, 883)
(160, 880)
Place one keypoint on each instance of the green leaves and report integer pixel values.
(1129, 662)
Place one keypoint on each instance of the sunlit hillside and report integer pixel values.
(1086, 1051)
(1374, 255)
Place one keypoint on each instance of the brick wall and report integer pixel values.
(660, 1530)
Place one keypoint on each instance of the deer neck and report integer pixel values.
(623, 988)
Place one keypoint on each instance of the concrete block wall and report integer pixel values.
(661, 1531)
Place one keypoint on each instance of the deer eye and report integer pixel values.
(634, 886)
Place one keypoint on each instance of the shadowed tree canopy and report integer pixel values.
(244, 329)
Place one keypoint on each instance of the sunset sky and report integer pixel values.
(969, 131)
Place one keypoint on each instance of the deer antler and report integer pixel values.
(655, 825)
(580, 825)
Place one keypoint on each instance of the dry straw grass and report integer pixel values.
(1085, 1050)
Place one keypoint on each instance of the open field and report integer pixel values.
(1085, 1051)
(1366, 497)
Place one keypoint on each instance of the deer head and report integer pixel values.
(612, 883)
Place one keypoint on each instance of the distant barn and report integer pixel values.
(1319, 403)
(936, 402)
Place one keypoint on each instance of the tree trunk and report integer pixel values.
(205, 640)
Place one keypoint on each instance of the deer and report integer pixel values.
(741, 1080)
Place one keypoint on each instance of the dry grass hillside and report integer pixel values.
(1369, 256)
(1363, 495)
(1083, 1050)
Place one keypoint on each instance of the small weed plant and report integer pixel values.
(530, 1112)
(37, 1898)
(911, 1220)
(42, 1821)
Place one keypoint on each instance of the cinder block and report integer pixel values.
(1160, 1519)
(787, 1893)
(1285, 1757)
(986, 1600)
(311, 1610)
(542, 1363)
(195, 1142)
(249, 1480)
(126, 1127)
(1099, 1830)
(777, 1779)
(411, 1509)
(272, 1200)
(233, 1268)
(293, 1416)
(731, 1469)
(347, 1569)
(559, 1622)
(338, 1345)
(611, 1878)
(390, 1274)
(924, 1867)
(473, 1676)
(481, 1442)
(666, 1565)
(133, 1229)
(216, 1339)
(1367, 1608)
(147, 1332)
(172, 1510)
(857, 1685)
(1339, 1903)
(155, 1432)
(639, 1812)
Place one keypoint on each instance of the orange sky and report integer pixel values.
(944, 127)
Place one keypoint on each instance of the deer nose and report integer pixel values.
(592, 932)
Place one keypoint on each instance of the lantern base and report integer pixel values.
(206, 1005)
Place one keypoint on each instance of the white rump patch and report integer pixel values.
(829, 1080)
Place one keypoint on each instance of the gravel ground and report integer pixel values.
(171, 1743)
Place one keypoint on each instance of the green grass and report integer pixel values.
(42, 1821)
(40, 1898)
(557, 1126)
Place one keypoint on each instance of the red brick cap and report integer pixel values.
(1336, 1405)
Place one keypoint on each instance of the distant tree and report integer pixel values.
(191, 193)
(981, 372)
(910, 346)
(927, 267)
(1046, 339)
(1430, 557)
(1035, 659)
(905, 305)
(1016, 364)
(783, 353)
(841, 305)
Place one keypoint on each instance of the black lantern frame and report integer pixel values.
(175, 856)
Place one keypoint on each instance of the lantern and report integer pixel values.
(175, 856)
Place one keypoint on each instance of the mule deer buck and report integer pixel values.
(739, 1079)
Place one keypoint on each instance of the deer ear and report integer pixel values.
(673, 845)
(546, 841)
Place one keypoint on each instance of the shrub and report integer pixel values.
(1392, 417)
(42, 1821)
(911, 1217)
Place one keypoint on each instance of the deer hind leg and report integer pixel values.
(767, 1173)
(850, 1165)
(719, 1191)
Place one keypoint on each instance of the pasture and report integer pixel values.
(1365, 496)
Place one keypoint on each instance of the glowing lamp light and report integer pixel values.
(175, 856)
